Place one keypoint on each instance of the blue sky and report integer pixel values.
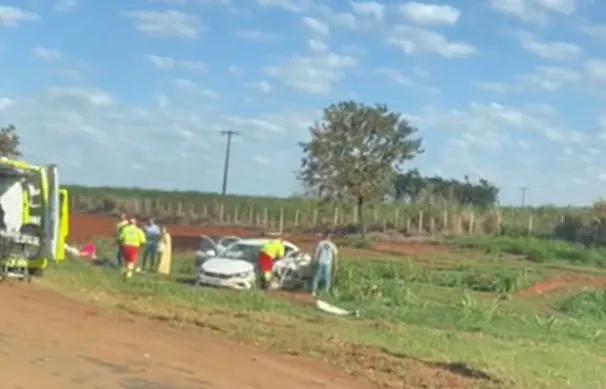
(136, 92)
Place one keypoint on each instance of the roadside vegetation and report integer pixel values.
(535, 249)
(459, 310)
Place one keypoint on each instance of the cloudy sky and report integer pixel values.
(510, 90)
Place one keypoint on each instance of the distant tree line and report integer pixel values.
(411, 187)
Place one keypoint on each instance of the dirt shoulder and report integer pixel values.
(49, 341)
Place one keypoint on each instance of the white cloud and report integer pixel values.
(96, 97)
(316, 45)
(395, 76)
(162, 100)
(163, 63)
(194, 66)
(193, 87)
(46, 54)
(597, 31)
(596, 70)
(71, 74)
(166, 63)
(551, 78)
(170, 23)
(339, 19)
(313, 74)
(430, 14)
(233, 69)
(414, 40)
(545, 78)
(494, 86)
(254, 124)
(484, 119)
(13, 16)
(534, 11)
(6, 103)
(368, 8)
(550, 50)
(316, 26)
(261, 160)
(260, 86)
(66, 5)
(287, 5)
(257, 36)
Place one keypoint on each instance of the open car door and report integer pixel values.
(51, 213)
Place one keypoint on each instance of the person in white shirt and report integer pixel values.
(325, 257)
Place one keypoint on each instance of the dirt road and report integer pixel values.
(49, 341)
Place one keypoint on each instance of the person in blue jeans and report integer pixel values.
(325, 258)
(150, 252)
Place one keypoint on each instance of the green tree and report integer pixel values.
(355, 152)
(9, 142)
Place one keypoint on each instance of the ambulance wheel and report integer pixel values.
(36, 272)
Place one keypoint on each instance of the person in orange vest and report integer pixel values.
(131, 239)
(121, 224)
(270, 252)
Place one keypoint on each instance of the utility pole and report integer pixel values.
(229, 134)
(524, 189)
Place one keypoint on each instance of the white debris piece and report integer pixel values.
(326, 307)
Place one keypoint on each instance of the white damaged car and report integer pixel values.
(236, 266)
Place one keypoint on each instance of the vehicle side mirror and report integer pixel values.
(211, 253)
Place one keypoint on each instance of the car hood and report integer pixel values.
(227, 266)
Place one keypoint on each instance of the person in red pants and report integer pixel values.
(131, 239)
(270, 252)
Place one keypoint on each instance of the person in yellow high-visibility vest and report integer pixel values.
(270, 252)
(119, 227)
(131, 239)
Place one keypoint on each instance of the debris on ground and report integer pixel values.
(329, 308)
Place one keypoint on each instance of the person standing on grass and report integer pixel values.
(326, 259)
(121, 224)
(165, 252)
(131, 239)
(152, 238)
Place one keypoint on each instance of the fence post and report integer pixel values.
(432, 224)
(408, 225)
(459, 224)
(471, 223)
(205, 211)
(179, 208)
(236, 215)
(250, 215)
(315, 218)
(335, 220)
(396, 218)
(445, 220)
(420, 222)
(221, 209)
(297, 215)
(530, 225)
(355, 214)
(265, 216)
(281, 227)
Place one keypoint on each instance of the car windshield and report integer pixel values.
(247, 252)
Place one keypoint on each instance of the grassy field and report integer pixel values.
(460, 310)
(515, 221)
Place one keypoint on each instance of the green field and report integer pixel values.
(458, 307)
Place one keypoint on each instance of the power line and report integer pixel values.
(229, 134)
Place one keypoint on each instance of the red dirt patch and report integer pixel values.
(564, 282)
(85, 227)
